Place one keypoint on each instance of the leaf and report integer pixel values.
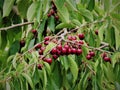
(45, 78)
(48, 68)
(32, 10)
(107, 5)
(51, 23)
(73, 68)
(23, 7)
(71, 5)
(91, 5)
(87, 14)
(31, 43)
(62, 11)
(65, 25)
(49, 47)
(7, 7)
(29, 80)
(76, 22)
(7, 86)
(46, 6)
(117, 86)
(14, 47)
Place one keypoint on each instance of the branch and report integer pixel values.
(16, 25)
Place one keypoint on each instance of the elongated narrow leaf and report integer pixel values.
(7, 7)
(29, 80)
(73, 68)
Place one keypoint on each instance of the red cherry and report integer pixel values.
(69, 37)
(107, 59)
(92, 53)
(54, 51)
(38, 46)
(58, 52)
(79, 51)
(81, 42)
(96, 32)
(47, 38)
(42, 48)
(88, 57)
(52, 12)
(81, 36)
(74, 37)
(40, 66)
(22, 43)
(48, 60)
(66, 46)
(40, 52)
(74, 51)
(46, 42)
(49, 14)
(55, 56)
(59, 47)
(34, 31)
(104, 55)
(69, 51)
(64, 51)
(56, 17)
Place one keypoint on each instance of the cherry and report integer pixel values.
(81, 36)
(96, 32)
(46, 42)
(40, 52)
(49, 14)
(69, 51)
(52, 12)
(64, 50)
(79, 51)
(73, 51)
(59, 47)
(88, 57)
(22, 43)
(74, 37)
(107, 59)
(34, 31)
(69, 37)
(48, 60)
(56, 17)
(92, 53)
(38, 46)
(42, 48)
(66, 46)
(40, 66)
(55, 56)
(58, 52)
(54, 51)
(104, 55)
(81, 42)
(47, 38)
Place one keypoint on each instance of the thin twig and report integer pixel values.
(16, 25)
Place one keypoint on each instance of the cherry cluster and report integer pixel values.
(53, 11)
(71, 45)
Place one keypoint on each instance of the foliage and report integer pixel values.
(18, 64)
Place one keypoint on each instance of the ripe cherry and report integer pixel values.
(107, 59)
(79, 51)
(92, 53)
(40, 66)
(59, 47)
(46, 42)
(55, 56)
(38, 46)
(81, 36)
(52, 12)
(96, 32)
(69, 51)
(73, 51)
(56, 17)
(42, 48)
(48, 60)
(88, 57)
(49, 14)
(47, 38)
(74, 37)
(69, 37)
(54, 51)
(81, 42)
(34, 31)
(22, 43)
(40, 52)
(66, 46)
(64, 51)
(104, 55)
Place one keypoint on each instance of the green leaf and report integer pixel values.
(86, 13)
(32, 10)
(51, 23)
(29, 80)
(65, 25)
(47, 67)
(73, 67)
(62, 11)
(117, 85)
(107, 5)
(14, 47)
(91, 5)
(46, 6)
(49, 47)
(31, 43)
(7, 7)
(23, 7)
(76, 22)
(45, 78)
